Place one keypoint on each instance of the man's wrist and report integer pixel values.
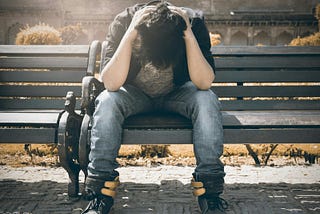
(188, 34)
(131, 35)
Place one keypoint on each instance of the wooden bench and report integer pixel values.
(34, 81)
(257, 106)
(269, 95)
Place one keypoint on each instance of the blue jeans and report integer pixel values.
(112, 108)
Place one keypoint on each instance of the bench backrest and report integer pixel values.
(39, 76)
(267, 78)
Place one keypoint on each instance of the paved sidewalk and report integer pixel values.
(166, 190)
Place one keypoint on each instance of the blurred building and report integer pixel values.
(239, 22)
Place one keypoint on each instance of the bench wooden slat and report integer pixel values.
(42, 76)
(37, 91)
(23, 118)
(164, 136)
(43, 62)
(221, 76)
(267, 62)
(267, 76)
(235, 119)
(267, 91)
(271, 118)
(272, 136)
(265, 50)
(229, 105)
(33, 104)
(232, 136)
(27, 50)
(157, 120)
(226, 105)
(28, 135)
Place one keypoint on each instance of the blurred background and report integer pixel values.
(233, 22)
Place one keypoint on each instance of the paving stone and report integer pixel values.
(162, 190)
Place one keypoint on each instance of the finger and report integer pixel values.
(142, 18)
(141, 15)
(145, 10)
(178, 10)
(174, 7)
(181, 12)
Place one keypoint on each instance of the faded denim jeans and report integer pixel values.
(202, 107)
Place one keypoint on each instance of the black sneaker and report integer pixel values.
(208, 188)
(101, 194)
(212, 205)
(99, 205)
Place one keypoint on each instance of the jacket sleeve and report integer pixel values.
(203, 38)
(116, 31)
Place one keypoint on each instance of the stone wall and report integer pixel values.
(239, 22)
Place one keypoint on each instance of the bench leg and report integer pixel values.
(68, 144)
(84, 144)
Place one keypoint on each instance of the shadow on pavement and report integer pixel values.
(170, 197)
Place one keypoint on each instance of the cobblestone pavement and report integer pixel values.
(166, 190)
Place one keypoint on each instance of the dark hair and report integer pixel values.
(161, 37)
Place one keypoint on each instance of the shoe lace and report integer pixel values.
(93, 205)
(217, 203)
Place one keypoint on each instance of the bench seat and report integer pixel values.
(239, 127)
(29, 126)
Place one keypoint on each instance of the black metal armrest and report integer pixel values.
(94, 52)
(91, 88)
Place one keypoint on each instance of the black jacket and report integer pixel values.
(181, 74)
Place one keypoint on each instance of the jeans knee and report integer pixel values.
(207, 100)
(107, 100)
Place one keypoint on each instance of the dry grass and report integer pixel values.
(215, 39)
(185, 150)
(312, 40)
(43, 34)
(46, 155)
(73, 35)
(40, 34)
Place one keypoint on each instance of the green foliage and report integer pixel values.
(40, 34)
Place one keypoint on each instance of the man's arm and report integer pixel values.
(115, 73)
(200, 71)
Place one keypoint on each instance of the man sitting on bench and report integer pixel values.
(157, 59)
